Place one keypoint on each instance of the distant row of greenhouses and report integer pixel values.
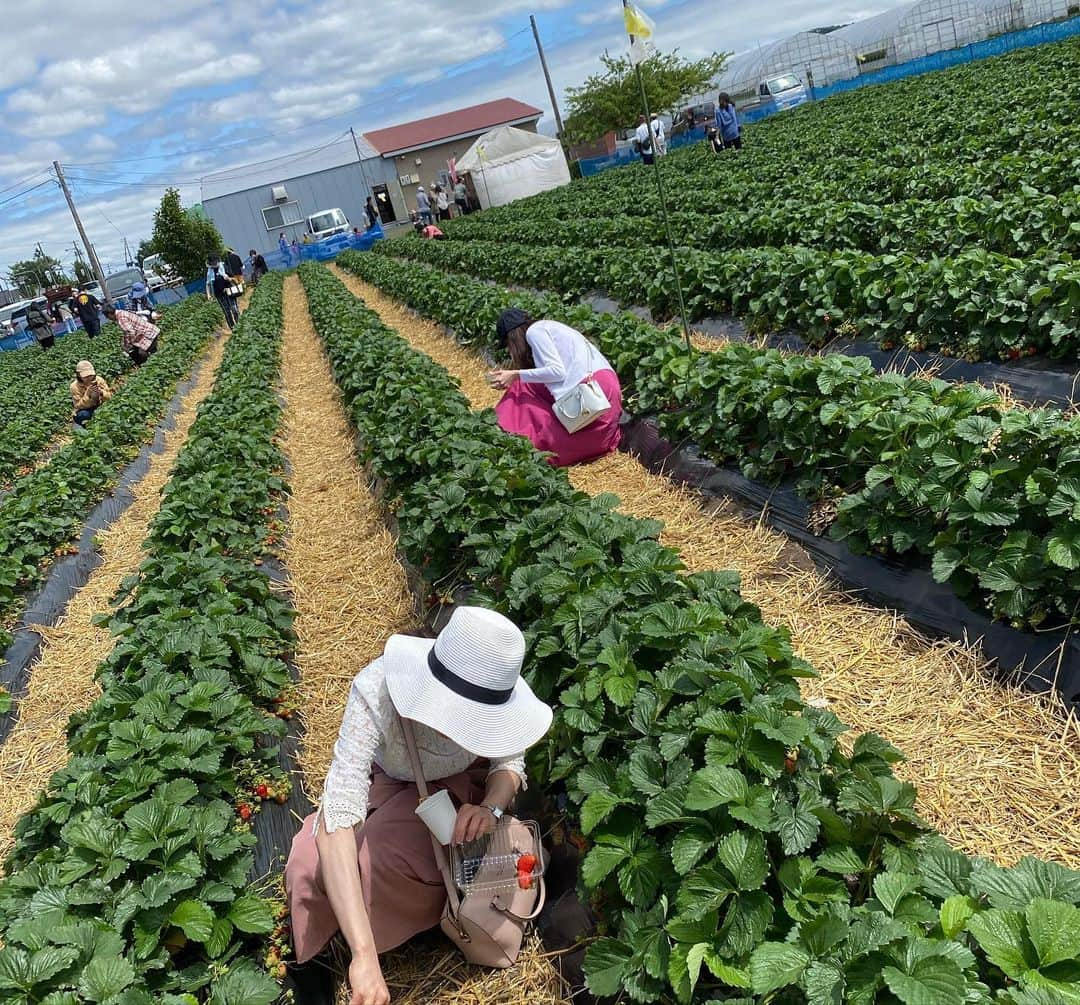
(903, 33)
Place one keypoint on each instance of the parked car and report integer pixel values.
(158, 274)
(327, 223)
(95, 290)
(12, 315)
(119, 283)
(785, 90)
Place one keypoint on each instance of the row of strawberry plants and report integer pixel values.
(46, 508)
(735, 848)
(129, 881)
(1019, 225)
(35, 403)
(925, 137)
(911, 467)
(975, 305)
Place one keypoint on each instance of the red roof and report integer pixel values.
(450, 125)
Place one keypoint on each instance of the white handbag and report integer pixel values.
(582, 405)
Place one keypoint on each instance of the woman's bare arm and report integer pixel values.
(341, 879)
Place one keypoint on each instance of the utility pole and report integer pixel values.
(127, 254)
(360, 161)
(547, 77)
(90, 252)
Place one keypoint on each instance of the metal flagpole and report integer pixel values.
(663, 207)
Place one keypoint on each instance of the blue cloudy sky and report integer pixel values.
(132, 97)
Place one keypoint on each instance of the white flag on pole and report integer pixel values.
(640, 28)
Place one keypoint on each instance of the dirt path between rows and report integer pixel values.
(997, 770)
(62, 681)
(350, 593)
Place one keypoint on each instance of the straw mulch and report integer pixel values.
(350, 594)
(62, 681)
(347, 585)
(429, 970)
(997, 769)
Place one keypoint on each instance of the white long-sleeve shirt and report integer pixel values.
(370, 734)
(563, 357)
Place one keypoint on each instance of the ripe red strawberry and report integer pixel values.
(526, 863)
(525, 880)
(245, 812)
(261, 790)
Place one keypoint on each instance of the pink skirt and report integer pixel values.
(526, 410)
(403, 891)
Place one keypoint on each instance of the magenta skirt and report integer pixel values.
(526, 410)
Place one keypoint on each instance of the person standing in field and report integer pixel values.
(442, 203)
(88, 307)
(139, 337)
(217, 287)
(234, 266)
(423, 206)
(461, 197)
(728, 129)
(659, 136)
(643, 143)
(88, 391)
(372, 212)
(67, 318)
(283, 247)
(258, 267)
(40, 325)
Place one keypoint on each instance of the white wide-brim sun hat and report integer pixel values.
(467, 684)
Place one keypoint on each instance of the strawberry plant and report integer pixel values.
(130, 880)
(735, 851)
(47, 508)
(35, 403)
(974, 304)
(921, 469)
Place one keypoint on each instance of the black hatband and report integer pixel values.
(474, 692)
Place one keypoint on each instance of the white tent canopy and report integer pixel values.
(508, 164)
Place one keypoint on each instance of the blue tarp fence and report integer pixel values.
(1040, 34)
(323, 251)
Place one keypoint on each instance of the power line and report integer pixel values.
(23, 181)
(27, 191)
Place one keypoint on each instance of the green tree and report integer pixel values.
(612, 99)
(144, 251)
(183, 238)
(36, 274)
(83, 272)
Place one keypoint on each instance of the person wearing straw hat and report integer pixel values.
(88, 391)
(363, 862)
(549, 359)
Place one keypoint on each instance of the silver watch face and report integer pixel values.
(496, 812)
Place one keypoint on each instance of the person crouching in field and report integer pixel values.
(88, 391)
(139, 337)
(364, 863)
(553, 365)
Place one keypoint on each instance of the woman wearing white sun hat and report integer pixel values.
(363, 863)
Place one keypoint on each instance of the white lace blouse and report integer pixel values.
(371, 734)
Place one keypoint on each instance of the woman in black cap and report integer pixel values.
(559, 382)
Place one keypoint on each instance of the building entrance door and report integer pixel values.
(383, 204)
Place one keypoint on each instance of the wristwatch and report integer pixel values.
(495, 811)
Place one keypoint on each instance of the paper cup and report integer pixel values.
(439, 816)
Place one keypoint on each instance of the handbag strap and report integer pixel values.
(453, 899)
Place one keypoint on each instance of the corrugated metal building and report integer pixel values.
(251, 205)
